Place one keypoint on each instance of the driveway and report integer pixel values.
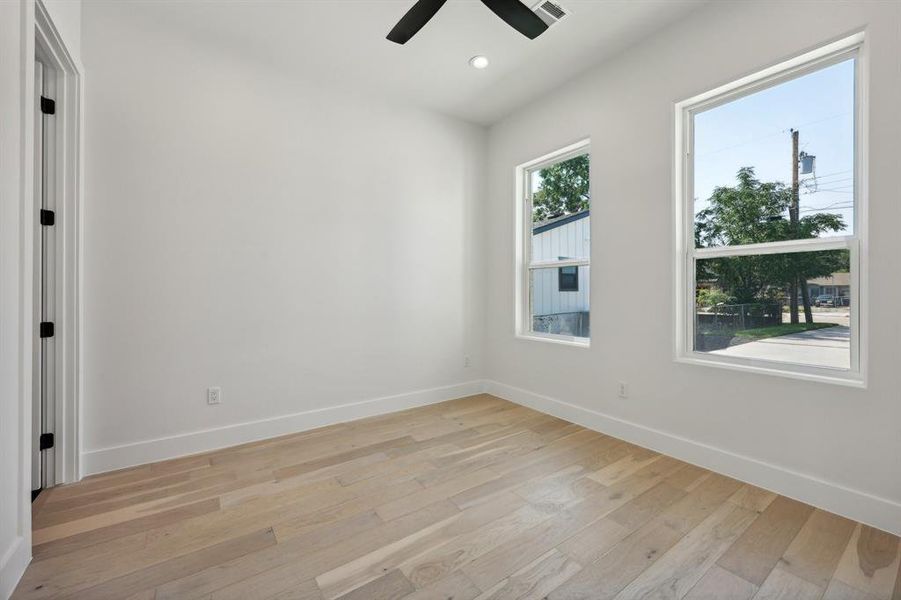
(840, 317)
(829, 347)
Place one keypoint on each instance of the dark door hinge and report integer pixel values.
(48, 106)
(46, 329)
(46, 441)
(48, 217)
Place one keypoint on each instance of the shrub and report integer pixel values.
(707, 298)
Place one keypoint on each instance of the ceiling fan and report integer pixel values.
(516, 14)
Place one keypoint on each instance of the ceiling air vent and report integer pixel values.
(549, 12)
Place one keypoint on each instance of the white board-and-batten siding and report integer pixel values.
(569, 240)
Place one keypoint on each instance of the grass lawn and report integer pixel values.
(776, 330)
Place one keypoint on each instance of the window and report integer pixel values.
(554, 247)
(769, 220)
(568, 279)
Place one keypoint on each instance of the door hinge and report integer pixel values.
(46, 329)
(46, 441)
(48, 106)
(48, 217)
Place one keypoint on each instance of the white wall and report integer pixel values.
(16, 77)
(833, 446)
(66, 17)
(300, 248)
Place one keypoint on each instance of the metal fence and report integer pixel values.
(735, 317)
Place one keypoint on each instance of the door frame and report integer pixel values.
(68, 182)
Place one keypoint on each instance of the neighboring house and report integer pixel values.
(560, 296)
(837, 285)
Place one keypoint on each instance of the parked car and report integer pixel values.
(825, 300)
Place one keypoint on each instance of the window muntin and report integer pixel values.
(823, 234)
(556, 250)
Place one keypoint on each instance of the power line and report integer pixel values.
(827, 208)
(828, 191)
(830, 180)
(840, 187)
(834, 173)
(833, 182)
(772, 135)
(837, 204)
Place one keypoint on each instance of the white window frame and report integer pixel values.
(524, 263)
(686, 254)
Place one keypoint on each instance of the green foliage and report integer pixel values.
(708, 297)
(749, 213)
(564, 189)
(753, 212)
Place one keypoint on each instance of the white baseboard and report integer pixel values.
(12, 565)
(138, 453)
(872, 510)
(878, 512)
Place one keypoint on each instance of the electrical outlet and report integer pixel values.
(214, 395)
(623, 390)
(466, 362)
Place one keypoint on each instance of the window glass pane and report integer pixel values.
(744, 307)
(569, 279)
(560, 210)
(555, 311)
(744, 163)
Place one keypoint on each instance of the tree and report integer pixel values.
(563, 190)
(753, 212)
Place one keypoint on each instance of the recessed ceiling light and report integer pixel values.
(479, 62)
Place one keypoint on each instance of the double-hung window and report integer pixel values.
(554, 246)
(770, 220)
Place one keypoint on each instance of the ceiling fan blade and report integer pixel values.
(518, 16)
(414, 20)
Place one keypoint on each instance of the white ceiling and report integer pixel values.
(342, 43)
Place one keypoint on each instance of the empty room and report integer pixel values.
(450, 299)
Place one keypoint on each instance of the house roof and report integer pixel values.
(834, 279)
(543, 226)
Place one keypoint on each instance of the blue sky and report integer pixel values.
(754, 131)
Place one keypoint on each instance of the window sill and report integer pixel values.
(563, 340)
(819, 375)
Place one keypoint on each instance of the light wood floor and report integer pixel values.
(475, 498)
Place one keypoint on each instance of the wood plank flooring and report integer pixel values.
(471, 499)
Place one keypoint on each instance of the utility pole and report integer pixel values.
(794, 212)
(793, 218)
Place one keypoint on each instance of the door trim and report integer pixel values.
(68, 181)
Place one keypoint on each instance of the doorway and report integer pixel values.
(55, 260)
(43, 471)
